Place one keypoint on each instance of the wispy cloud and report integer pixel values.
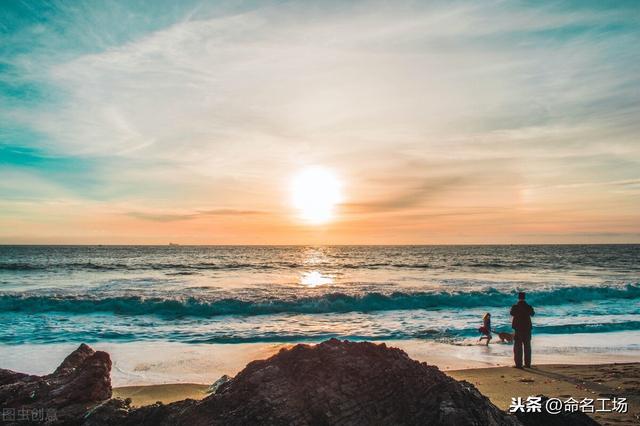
(415, 195)
(172, 217)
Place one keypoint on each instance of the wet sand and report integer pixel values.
(163, 371)
(146, 395)
(155, 363)
(562, 381)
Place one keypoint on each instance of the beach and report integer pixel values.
(150, 372)
(499, 384)
(619, 380)
(153, 363)
(278, 370)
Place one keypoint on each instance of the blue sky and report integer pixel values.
(461, 122)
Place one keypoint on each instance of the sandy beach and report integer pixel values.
(562, 381)
(148, 372)
(155, 363)
(499, 384)
(559, 374)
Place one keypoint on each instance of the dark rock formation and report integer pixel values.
(576, 418)
(331, 383)
(63, 397)
(216, 385)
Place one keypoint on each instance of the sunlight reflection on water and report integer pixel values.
(315, 279)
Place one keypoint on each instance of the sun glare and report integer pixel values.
(315, 193)
(315, 279)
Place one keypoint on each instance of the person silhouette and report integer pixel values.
(522, 313)
(485, 330)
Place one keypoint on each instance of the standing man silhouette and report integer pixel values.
(522, 313)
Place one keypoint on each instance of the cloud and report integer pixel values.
(276, 78)
(406, 197)
(172, 217)
(217, 103)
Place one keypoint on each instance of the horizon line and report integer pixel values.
(319, 245)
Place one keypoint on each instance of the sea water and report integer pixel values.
(244, 294)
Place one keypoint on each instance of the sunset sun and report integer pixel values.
(315, 193)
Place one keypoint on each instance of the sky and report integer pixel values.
(453, 122)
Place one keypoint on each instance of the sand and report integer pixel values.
(499, 384)
(146, 395)
(165, 371)
(562, 381)
(151, 363)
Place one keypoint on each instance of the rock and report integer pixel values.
(216, 385)
(65, 396)
(563, 418)
(332, 383)
(335, 382)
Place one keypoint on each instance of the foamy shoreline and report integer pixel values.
(147, 363)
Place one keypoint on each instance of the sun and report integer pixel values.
(315, 193)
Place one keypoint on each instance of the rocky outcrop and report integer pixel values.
(332, 383)
(563, 418)
(216, 385)
(335, 382)
(64, 397)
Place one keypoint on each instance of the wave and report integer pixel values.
(443, 336)
(585, 327)
(459, 337)
(90, 266)
(588, 328)
(321, 304)
(270, 265)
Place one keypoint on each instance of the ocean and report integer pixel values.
(249, 294)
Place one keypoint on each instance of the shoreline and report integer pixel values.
(563, 377)
(158, 362)
(566, 381)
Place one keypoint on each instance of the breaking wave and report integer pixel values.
(325, 303)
